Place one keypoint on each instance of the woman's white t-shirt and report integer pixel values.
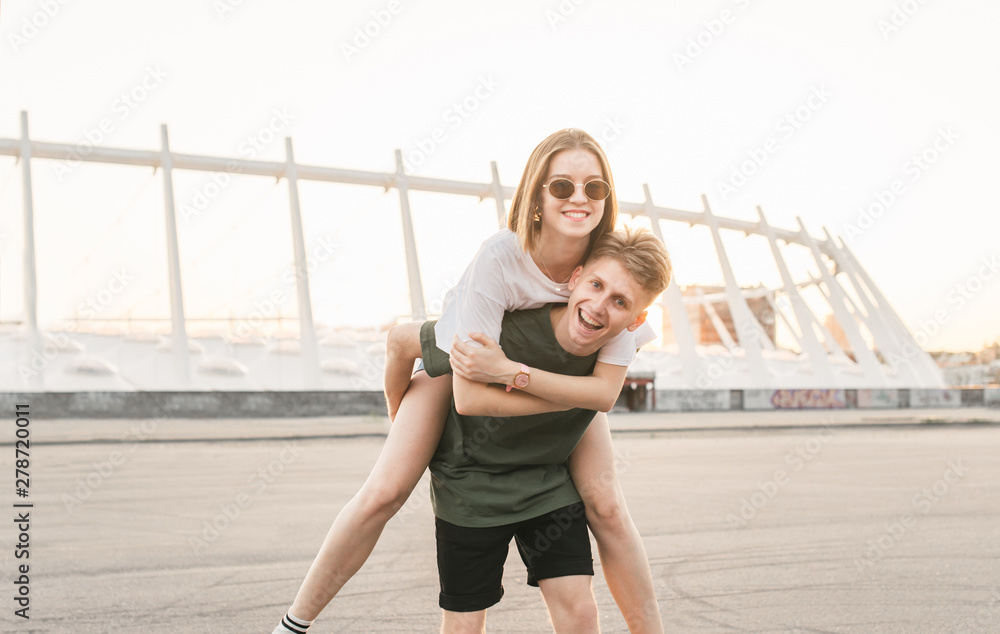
(503, 277)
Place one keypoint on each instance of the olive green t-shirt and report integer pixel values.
(491, 471)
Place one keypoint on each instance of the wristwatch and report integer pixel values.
(521, 378)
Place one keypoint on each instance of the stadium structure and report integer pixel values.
(837, 329)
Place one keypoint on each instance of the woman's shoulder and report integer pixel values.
(502, 246)
(503, 240)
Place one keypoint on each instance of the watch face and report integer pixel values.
(521, 380)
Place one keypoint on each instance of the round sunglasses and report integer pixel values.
(563, 188)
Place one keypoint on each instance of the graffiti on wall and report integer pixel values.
(808, 399)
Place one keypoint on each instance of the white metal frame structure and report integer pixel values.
(906, 364)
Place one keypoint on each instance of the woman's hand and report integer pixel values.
(486, 364)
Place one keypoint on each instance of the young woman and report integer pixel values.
(564, 202)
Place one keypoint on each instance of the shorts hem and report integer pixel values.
(562, 568)
(471, 603)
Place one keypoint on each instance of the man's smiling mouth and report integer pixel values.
(587, 322)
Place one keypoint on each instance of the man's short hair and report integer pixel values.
(639, 253)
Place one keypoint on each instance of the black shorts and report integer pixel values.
(434, 361)
(470, 560)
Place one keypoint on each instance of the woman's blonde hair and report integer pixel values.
(528, 192)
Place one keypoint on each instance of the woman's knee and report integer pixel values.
(403, 341)
(383, 500)
(607, 512)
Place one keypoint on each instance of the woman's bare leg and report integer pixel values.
(623, 556)
(411, 442)
(402, 349)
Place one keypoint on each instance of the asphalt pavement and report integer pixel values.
(809, 521)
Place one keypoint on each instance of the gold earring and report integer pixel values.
(538, 217)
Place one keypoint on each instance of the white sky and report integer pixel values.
(613, 68)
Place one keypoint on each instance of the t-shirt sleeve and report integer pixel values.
(621, 350)
(476, 304)
(644, 334)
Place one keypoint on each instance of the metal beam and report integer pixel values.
(808, 343)
(36, 380)
(674, 302)
(417, 309)
(124, 156)
(178, 331)
(498, 196)
(748, 329)
(926, 369)
(308, 349)
(864, 357)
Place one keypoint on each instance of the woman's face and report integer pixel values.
(577, 215)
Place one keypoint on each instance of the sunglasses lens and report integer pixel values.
(561, 188)
(597, 190)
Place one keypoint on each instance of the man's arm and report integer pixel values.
(489, 364)
(599, 391)
(473, 398)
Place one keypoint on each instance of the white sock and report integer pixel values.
(292, 624)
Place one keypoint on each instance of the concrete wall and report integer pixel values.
(195, 404)
(364, 403)
(716, 400)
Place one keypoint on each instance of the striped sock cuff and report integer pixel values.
(292, 624)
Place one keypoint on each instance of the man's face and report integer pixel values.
(604, 300)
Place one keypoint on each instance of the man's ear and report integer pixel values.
(640, 320)
(573, 279)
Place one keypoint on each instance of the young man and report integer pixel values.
(501, 470)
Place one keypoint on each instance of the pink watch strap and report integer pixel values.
(525, 370)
